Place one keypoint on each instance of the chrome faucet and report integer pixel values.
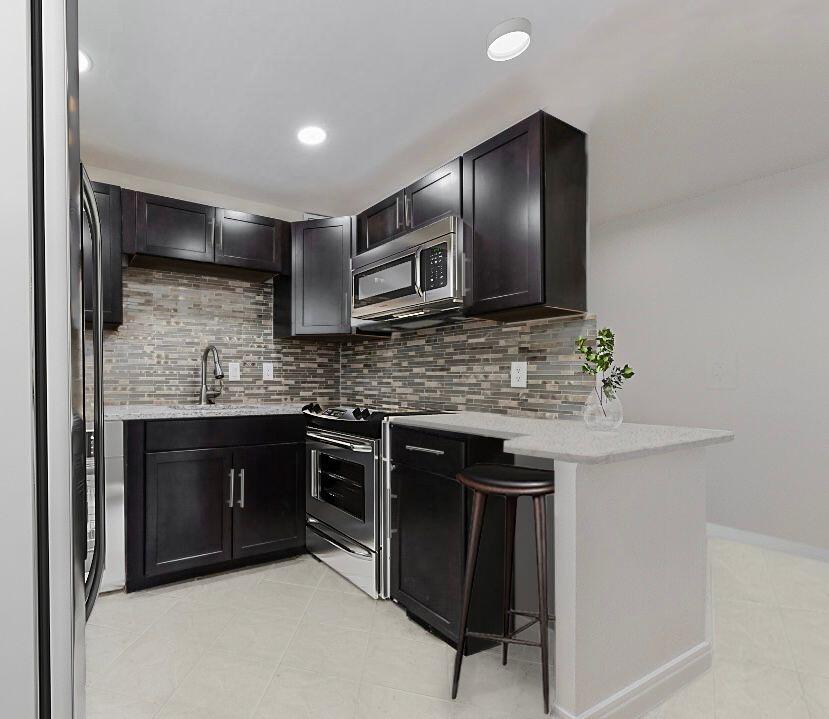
(209, 397)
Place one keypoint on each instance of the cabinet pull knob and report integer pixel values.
(241, 488)
(232, 475)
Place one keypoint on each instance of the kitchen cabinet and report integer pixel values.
(168, 233)
(166, 227)
(266, 516)
(205, 495)
(431, 198)
(434, 196)
(108, 200)
(316, 299)
(430, 514)
(525, 214)
(187, 510)
(252, 241)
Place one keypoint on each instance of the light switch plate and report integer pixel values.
(518, 374)
(234, 370)
(267, 370)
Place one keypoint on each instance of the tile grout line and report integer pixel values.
(287, 645)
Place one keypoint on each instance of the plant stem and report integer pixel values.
(601, 404)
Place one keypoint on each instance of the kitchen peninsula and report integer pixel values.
(629, 548)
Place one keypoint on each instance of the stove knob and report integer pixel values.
(357, 413)
(307, 407)
(315, 408)
(366, 413)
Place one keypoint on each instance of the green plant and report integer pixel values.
(598, 361)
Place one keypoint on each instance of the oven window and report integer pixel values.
(394, 279)
(342, 484)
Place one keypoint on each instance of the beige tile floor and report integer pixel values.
(292, 640)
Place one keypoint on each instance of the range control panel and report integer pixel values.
(434, 263)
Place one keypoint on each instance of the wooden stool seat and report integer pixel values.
(507, 481)
(511, 483)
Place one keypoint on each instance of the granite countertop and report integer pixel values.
(569, 440)
(186, 411)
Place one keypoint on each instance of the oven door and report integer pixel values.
(389, 285)
(341, 486)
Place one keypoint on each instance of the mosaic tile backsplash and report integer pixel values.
(169, 317)
(467, 367)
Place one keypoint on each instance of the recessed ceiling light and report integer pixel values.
(311, 135)
(508, 39)
(84, 62)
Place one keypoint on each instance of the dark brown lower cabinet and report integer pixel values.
(430, 528)
(188, 517)
(270, 485)
(191, 511)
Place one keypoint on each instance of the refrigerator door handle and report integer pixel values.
(96, 569)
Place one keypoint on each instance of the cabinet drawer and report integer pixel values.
(174, 434)
(432, 452)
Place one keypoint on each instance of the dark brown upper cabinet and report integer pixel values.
(108, 199)
(315, 299)
(252, 241)
(381, 222)
(525, 221)
(432, 197)
(181, 230)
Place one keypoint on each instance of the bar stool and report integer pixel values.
(511, 483)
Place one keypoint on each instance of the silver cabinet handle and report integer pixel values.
(242, 488)
(426, 450)
(397, 212)
(232, 476)
(407, 210)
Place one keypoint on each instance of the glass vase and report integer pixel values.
(602, 413)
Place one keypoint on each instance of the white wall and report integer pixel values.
(18, 671)
(739, 276)
(192, 194)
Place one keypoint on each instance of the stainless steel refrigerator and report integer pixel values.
(61, 198)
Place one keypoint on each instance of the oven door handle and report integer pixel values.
(339, 442)
(362, 553)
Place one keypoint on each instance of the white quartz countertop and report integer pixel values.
(127, 412)
(569, 440)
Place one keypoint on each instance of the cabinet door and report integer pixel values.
(166, 227)
(188, 520)
(321, 276)
(252, 241)
(435, 196)
(502, 210)
(108, 199)
(428, 532)
(269, 512)
(381, 222)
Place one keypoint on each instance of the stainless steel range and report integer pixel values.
(346, 496)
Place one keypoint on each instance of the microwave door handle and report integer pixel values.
(418, 287)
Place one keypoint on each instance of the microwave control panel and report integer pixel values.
(434, 263)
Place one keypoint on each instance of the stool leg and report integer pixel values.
(478, 506)
(540, 511)
(510, 505)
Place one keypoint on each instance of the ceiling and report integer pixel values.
(678, 97)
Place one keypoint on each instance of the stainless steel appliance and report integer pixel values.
(347, 502)
(342, 498)
(417, 276)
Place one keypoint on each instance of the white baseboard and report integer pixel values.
(768, 542)
(651, 690)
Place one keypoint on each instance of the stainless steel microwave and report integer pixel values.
(418, 274)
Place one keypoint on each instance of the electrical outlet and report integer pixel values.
(234, 371)
(518, 374)
(267, 370)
